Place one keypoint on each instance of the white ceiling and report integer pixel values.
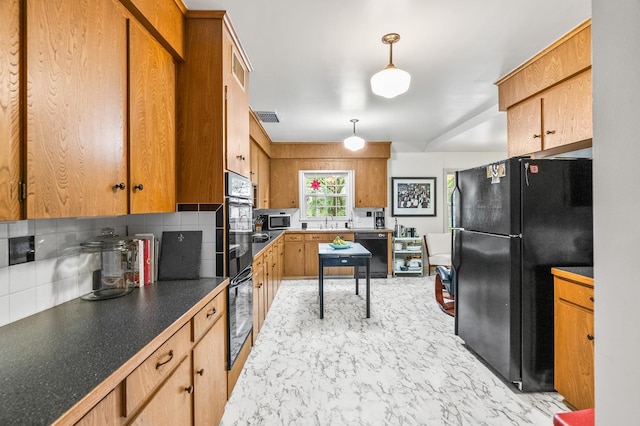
(313, 60)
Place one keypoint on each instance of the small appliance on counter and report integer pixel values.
(118, 271)
(379, 219)
(278, 221)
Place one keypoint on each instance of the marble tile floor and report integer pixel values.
(402, 366)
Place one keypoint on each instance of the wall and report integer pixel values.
(616, 105)
(432, 164)
(61, 272)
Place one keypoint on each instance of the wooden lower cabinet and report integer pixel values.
(574, 339)
(311, 253)
(267, 275)
(171, 405)
(107, 412)
(210, 376)
(259, 298)
(182, 382)
(294, 256)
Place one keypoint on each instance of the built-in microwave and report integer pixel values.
(279, 221)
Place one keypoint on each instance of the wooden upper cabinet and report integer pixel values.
(152, 142)
(568, 116)
(371, 183)
(236, 109)
(264, 184)
(548, 99)
(284, 183)
(254, 153)
(76, 78)
(558, 116)
(568, 56)
(213, 108)
(10, 138)
(524, 127)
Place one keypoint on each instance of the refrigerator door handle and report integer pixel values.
(515, 236)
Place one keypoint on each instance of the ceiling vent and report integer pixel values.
(268, 116)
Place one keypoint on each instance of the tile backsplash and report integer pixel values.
(61, 272)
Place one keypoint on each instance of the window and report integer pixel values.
(450, 184)
(326, 193)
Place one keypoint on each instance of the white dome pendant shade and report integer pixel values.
(354, 142)
(391, 81)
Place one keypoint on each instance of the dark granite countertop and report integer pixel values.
(258, 247)
(585, 271)
(49, 361)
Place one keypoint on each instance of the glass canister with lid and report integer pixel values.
(118, 263)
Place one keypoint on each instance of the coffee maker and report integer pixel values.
(379, 219)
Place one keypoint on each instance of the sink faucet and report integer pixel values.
(326, 219)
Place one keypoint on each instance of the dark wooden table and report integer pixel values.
(355, 256)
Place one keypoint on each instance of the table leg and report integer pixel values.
(368, 287)
(321, 281)
(357, 283)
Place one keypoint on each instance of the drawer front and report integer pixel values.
(574, 293)
(208, 315)
(162, 362)
(294, 237)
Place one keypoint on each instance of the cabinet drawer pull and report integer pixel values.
(536, 136)
(188, 389)
(160, 364)
(240, 157)
(120, 185)
(550, 132)
(138, 187)
(200, 372)
(590, 336)
(592, 299)
(211, 313)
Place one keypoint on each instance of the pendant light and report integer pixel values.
(391, 81)
(354, 142)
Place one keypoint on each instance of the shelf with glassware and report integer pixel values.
(407, 256)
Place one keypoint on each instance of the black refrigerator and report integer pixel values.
(514, 220)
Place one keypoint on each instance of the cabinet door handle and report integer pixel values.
(188, 389)
(240, 157)
(592, 299)
(200, 372)
(550, 132)
(120, 185)
(160, 364)
(537, 136)
(590, 336)
(138, 187)
(211, 313)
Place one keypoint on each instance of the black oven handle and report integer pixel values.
(242, 277)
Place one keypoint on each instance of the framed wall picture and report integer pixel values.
(413, 196)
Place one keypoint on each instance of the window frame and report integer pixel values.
(350, 193)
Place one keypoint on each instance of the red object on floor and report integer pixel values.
(575, 418)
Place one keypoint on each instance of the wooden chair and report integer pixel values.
(445, 290)
(438, 248)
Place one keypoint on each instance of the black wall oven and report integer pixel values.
(239, 210)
